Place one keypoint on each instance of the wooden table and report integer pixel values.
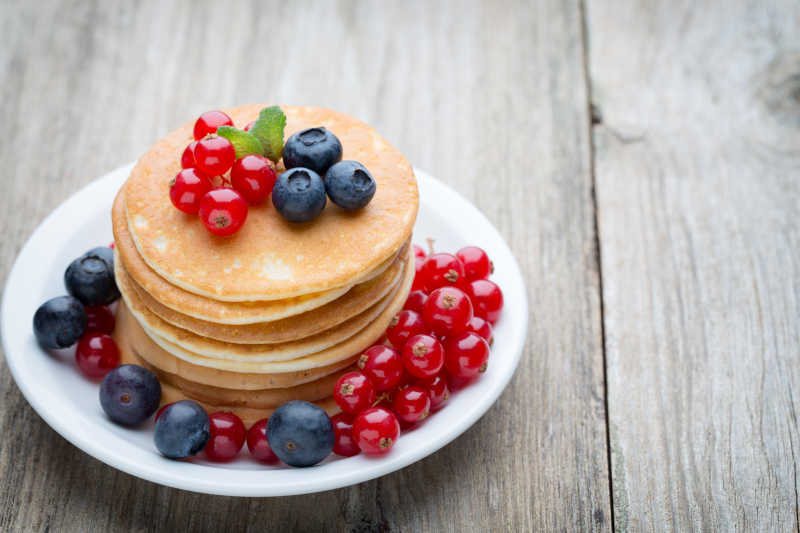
(641, 158)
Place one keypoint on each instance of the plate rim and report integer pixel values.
(179, 477)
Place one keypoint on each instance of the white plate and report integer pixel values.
(69, 403)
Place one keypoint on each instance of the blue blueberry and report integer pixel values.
(182, 430)
(59, 322)
(299, 195)
(90, 278)
(129, 394)
(314, 148)
(300, 433)
(349, 184)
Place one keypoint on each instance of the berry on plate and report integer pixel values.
(412, 404)
(383, 366)
(353, 392)
(257, 443)
(476, 263)
(161, 410)
(343, 443)
(214, 156)
(59, 322)
(313, 148)
(487, 299)
(90, 278)
(376, 430)
(419, 253)
(416, 301)
(442, 269)
(404, 325)
(300, 433)
(182, 430)
(209, 122)
(187, 157)
(187, 188)
(130, 394)
(97, 354)
(299, 195)
(438, 391)
(223, 211)
(100, 319)
(447, 311)
(467, 355)
(227, 434)
(253, 177)
(481, 327)
(423, 356)
(349, 185)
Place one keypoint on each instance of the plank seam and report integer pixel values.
(595, 118)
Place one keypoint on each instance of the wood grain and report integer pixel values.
(490, 97)
(697, 160)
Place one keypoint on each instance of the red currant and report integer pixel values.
(353, 393)
(440, 270)
(482, 328)
(97, 354)
(476, 263)
(467, 355)
(214, 155)
(419, 253)
(416, 301)
(187, 158)
(419, 283)
(223, 211)
(487, 299)
(257, 443)
(99, 319)
(188, 188)
(455, 383)
(343, 443)
(253, 177)
(162, 409)
(209, 122)
(437, 388)
(383, 366)
(111, 245)
(423, 356)
(412, 404)
(227, 436)
(447, 311)
(376, 430)
(249, 125)
(405, 324)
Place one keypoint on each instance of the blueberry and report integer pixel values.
(59, 322)
(299, 195)
(349, 184)
(182, 430)
(129, 394)
(314, 148)
(300, 433)
(90, 278)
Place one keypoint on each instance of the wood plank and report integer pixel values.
(697, 160)
(490, 97)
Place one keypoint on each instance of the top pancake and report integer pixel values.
(270, 258)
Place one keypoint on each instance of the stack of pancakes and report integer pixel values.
(276, 312)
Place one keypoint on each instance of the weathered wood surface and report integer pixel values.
(697, 161)
(490, 97)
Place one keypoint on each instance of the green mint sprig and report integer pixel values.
(244, 142)
(269, 131)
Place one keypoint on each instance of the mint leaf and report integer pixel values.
(269, 130)
(244, 142)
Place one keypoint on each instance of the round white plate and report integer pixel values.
(69, 403)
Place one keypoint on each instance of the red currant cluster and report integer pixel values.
(439, 342)
(214, 183)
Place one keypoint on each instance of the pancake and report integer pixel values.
(249, 413)
(128, 332)
(270, 258)
(186, 340)
(354, 302)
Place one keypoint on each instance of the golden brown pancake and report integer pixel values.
(270, 258)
